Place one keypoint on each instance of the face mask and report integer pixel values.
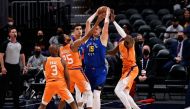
(146, 52)
(180, 38)
(10, 23)
(37, 53)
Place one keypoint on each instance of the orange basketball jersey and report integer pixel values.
(54, 69)
(127, 55)
(72, 58)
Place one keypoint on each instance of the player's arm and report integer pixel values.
(118, 28)
(89, 21)
(104, 35)
(66, 74)
(113, 51)
(78, 42)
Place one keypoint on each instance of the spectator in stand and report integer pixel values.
(179, 51)
(35, 65)
(4, 31)
(139, 45)
(171, 31)
(145, 69)
(54, 39)
(41, 41)
(185, 20)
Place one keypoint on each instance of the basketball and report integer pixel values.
(102, 9)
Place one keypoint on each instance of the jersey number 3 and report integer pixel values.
(54, 70)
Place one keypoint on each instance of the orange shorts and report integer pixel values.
(79, 78)
(131, 74)
(56, 87)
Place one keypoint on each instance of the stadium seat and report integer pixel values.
(168, 23)
(163, 12)
(130, 12)
(124, 22)
(120, 17)
(177, 72)
(166, 18)
(155, 23)
(138, 23)
(168, 43)
(147, 12)
(156, 48)
(151, 17)
(160, 29)
(134, 17)
(152, 34)
(163, 54)
(176, 80)
(144, 28)
(178, 12)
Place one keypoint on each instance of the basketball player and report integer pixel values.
(94, 56)
(77, 34)
(69, 52)
(129, 69)
(57, 79)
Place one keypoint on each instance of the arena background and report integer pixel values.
(30, 16)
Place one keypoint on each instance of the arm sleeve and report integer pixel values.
(119, 30)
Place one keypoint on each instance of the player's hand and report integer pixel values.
(4, 70)
(112, 16)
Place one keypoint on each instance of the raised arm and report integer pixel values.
(89, 21)
(78, 42)
(118, 28)
(104, 35)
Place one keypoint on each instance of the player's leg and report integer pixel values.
(131, 101)
(78, 95)
(119, 91)
(98, 85)
(85, 88)
(48, 94)
(130, 81)
(65, 95)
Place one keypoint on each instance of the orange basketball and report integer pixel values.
(102, 9)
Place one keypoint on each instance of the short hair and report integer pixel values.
(77, 24)
(11, 28)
